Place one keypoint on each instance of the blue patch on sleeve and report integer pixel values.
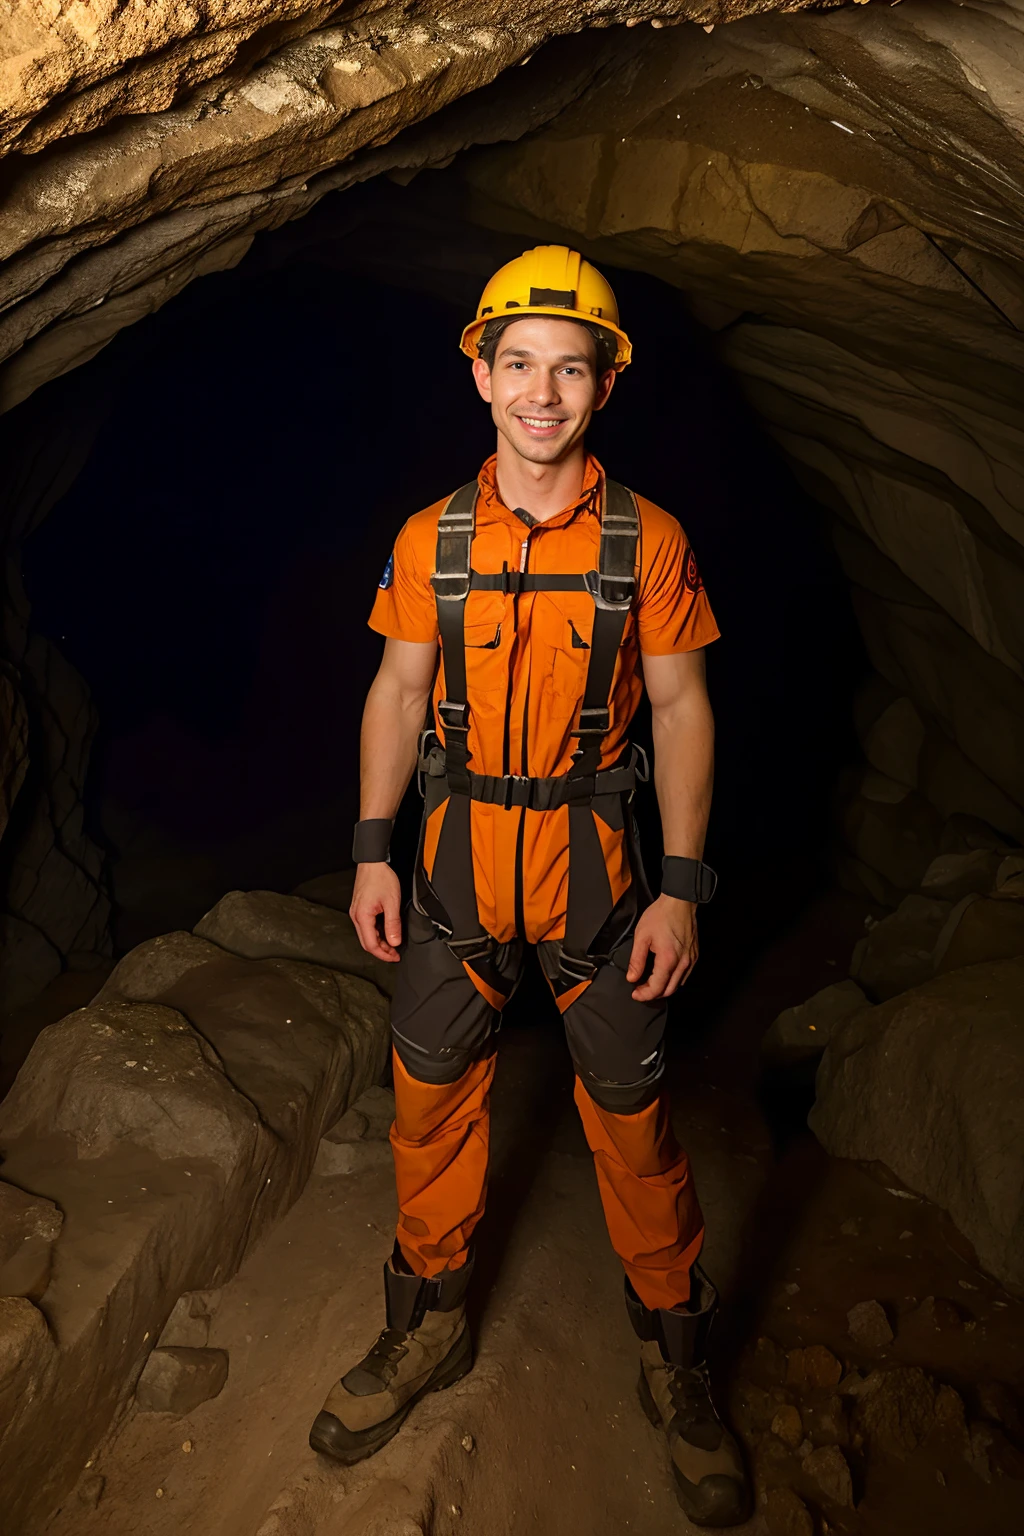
(389, 573)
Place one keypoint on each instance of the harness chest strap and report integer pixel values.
(612, 587)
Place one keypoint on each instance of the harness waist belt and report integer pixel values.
(537, 794)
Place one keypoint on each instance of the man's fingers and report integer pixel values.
(364, 920)
(655, 985)
(679, 974)
(393, 919)
(637, 957)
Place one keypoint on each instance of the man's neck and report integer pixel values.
(543, 490)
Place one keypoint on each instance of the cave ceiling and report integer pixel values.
(146, 145)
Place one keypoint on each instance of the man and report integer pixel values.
(556, 596)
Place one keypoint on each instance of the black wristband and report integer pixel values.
(371, 841)
(687, 879)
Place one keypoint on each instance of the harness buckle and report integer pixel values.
(595, 721)
(512, 781)
(426, 747)
(453, 716)
(451, 589)
(576, 967)
(614, 592)
(480, 947)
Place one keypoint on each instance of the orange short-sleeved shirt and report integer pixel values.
(526, 654)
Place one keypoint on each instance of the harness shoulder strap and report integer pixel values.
(451, 583)
(613, 588)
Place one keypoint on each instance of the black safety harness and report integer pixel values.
(612, 587)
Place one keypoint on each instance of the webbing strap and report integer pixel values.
(528, 581)
(451, 584)
(612, 590)
(590, 895)
(535, 794)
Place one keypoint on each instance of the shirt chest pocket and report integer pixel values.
(569, 652)
(487, 634)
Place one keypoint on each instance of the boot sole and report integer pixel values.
(723, 1503)
(330, 1437)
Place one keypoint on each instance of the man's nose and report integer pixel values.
(544, 390)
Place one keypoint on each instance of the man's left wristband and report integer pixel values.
(371, 842)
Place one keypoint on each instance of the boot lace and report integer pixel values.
(386, 1355)
(694, 1415)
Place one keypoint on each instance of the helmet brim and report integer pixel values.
(474, 330)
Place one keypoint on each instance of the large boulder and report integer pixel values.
(954, 875)
(891, 829)
(931, 1084)
(116, 1073)
(980, 928)
(801, 1033)
(148, 970)
(264, 925)
(170, 1131)
(898, 952)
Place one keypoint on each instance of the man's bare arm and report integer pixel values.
(684, 749)
(393, 717)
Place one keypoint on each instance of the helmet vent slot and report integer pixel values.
(556, 298)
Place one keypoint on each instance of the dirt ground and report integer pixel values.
(546, 1434)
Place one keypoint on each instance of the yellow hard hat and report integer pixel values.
(549, 280)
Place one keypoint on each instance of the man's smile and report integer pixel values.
(541, 424)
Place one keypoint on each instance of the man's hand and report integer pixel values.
(378, 893)
(668, 931)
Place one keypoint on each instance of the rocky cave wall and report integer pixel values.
(838, 191)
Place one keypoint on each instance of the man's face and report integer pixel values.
(543, 387)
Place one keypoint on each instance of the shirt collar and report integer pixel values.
(587, 503)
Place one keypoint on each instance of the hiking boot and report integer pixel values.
(711, 1480)
(425, 1347)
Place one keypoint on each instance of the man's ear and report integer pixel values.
(482, 378)
(605, 385)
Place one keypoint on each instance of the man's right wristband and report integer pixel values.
(687, 879)
(371, 842)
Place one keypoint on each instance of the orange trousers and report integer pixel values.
(440, 1141)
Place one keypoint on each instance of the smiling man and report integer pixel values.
(556, 596)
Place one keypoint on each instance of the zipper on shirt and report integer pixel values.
(520, 911)
(506, 745)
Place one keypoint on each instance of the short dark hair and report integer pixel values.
(605, 343)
